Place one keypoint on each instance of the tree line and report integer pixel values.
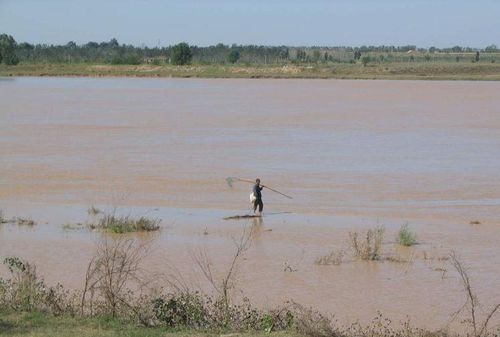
(112, 52)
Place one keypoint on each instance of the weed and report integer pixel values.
(125, 224)
(479, 329)
(68, 226)
(113, 269)
(25, 222)
(335, 257)
(369, 248)
(288, 268)
(93, 211)
(26, 291)
(406, 237)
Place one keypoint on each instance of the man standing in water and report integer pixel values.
(258, 196)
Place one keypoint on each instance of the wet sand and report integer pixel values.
(353, 154)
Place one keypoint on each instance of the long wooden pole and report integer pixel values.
(269, 188)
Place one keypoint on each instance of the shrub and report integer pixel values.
(370, 248)
(10, 59)
(181, 54)
(196, 311)
(112, 271)
(233, 56)
(126, 59)
(125, 224)
(93, 211)
(333, 258)
(26, 291)
(25, 222)
(184, 309)
(406, 237)
(365, 60)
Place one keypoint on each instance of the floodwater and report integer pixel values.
(353, 154)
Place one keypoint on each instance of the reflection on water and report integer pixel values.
(353, 154)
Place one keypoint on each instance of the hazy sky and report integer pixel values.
(425, 23)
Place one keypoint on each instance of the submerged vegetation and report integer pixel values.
(120, 223)
(125, 224)
(335, 257)
(406, 237)
(17, 220)
(369, 245)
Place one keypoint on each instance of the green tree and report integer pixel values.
(301, 55)
(365, 60)
(316, 55)
(181, 54)
(491, 49)
(233, 56)
(8, 50)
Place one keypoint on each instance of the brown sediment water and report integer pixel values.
(353, 154)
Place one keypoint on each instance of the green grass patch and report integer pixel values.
(439, 70)
(126, 224)
(38, 324)
(406, 237)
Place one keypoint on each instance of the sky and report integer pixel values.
(425, 23)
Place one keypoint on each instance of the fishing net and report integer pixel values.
(229, 181)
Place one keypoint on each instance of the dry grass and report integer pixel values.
(17, 220)
(93, 211)
(391, 70)
(112, 272)
(478, 328)
(126, 224)
(335, 257)
(370, 246)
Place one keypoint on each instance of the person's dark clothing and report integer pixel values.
(256, 191)
(258, 202)
(258, 198)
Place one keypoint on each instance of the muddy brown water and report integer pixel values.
(353, 154)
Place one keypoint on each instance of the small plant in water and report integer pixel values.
(25, 222)
(124, 224)
(406, 237)
(335, 257)
(369, 248)
(93, 211)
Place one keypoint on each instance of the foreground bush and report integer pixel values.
(26, 291)
(115, 270)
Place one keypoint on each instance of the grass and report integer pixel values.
(25, 222)
(19, 221)
(391, 70)
(335, 257)
(369, 248)
(39, 324)
(93, 211)
(406, 237)
(126, 224)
